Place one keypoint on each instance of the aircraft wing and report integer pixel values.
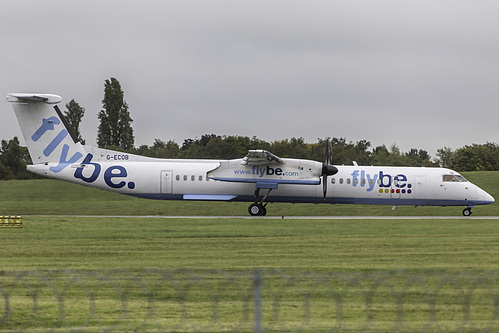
(256, 157)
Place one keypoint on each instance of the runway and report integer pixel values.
(281, 217)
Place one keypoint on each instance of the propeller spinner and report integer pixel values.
(327, 168)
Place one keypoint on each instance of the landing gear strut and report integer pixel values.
(258, 208)
(467, 211)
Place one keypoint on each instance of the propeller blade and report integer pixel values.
(327, 158)
(324, 187)
(327, 168)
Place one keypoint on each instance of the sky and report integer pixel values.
(416, 73)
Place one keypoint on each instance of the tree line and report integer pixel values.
(475, 157)
(115, 132)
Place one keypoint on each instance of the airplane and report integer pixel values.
(259, 178)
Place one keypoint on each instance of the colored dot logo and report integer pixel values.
(402, 191)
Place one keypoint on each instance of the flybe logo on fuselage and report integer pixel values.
(383, 180)
(266, 171)
(112, 174)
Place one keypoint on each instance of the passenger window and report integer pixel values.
(185, 177)
(177, 178)
(363, 182)
(193, 178)
(348, 181)
(341, 180)
(333, 180)
(200, 178)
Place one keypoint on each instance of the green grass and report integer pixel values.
(356, 259)
(53, 197)
(240, 244)
(180, 274)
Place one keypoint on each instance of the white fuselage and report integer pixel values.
(189, 180)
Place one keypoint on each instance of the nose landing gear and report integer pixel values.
(467, 211)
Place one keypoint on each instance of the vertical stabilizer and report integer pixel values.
(46, 132)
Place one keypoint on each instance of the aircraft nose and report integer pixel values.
(484, 198)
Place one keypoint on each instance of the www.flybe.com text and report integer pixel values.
(266, 171)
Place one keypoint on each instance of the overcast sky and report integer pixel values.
(420, 74)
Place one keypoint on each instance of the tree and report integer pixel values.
(381, 156)
(477, 157)
(347, 152)
(115, 127)
(228, 147)
(203, 142)
(444, 157)
(418, 158)
(159, 149)
(73, 115)
(13, 160)
(360, 152)
(294, 147)
(389, 157)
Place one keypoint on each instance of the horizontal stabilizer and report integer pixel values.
(30, 97)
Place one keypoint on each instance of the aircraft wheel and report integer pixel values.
(256, 209)
(467, 212)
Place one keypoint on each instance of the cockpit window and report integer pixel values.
(454, 178)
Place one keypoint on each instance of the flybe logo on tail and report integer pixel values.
(47, 124)
(385, 182)
(113, 175)
(64, 161)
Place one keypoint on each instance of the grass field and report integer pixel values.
(239, 244)
(161, 274)
(110, 254)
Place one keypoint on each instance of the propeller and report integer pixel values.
(327, 168)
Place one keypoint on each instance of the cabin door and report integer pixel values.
(166, 182)
(420, 187)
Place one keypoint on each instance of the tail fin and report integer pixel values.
(48, 136)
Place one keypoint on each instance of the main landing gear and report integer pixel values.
(258, 208)
(467, 211)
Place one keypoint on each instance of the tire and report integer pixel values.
(255, 209)
(467, 212)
